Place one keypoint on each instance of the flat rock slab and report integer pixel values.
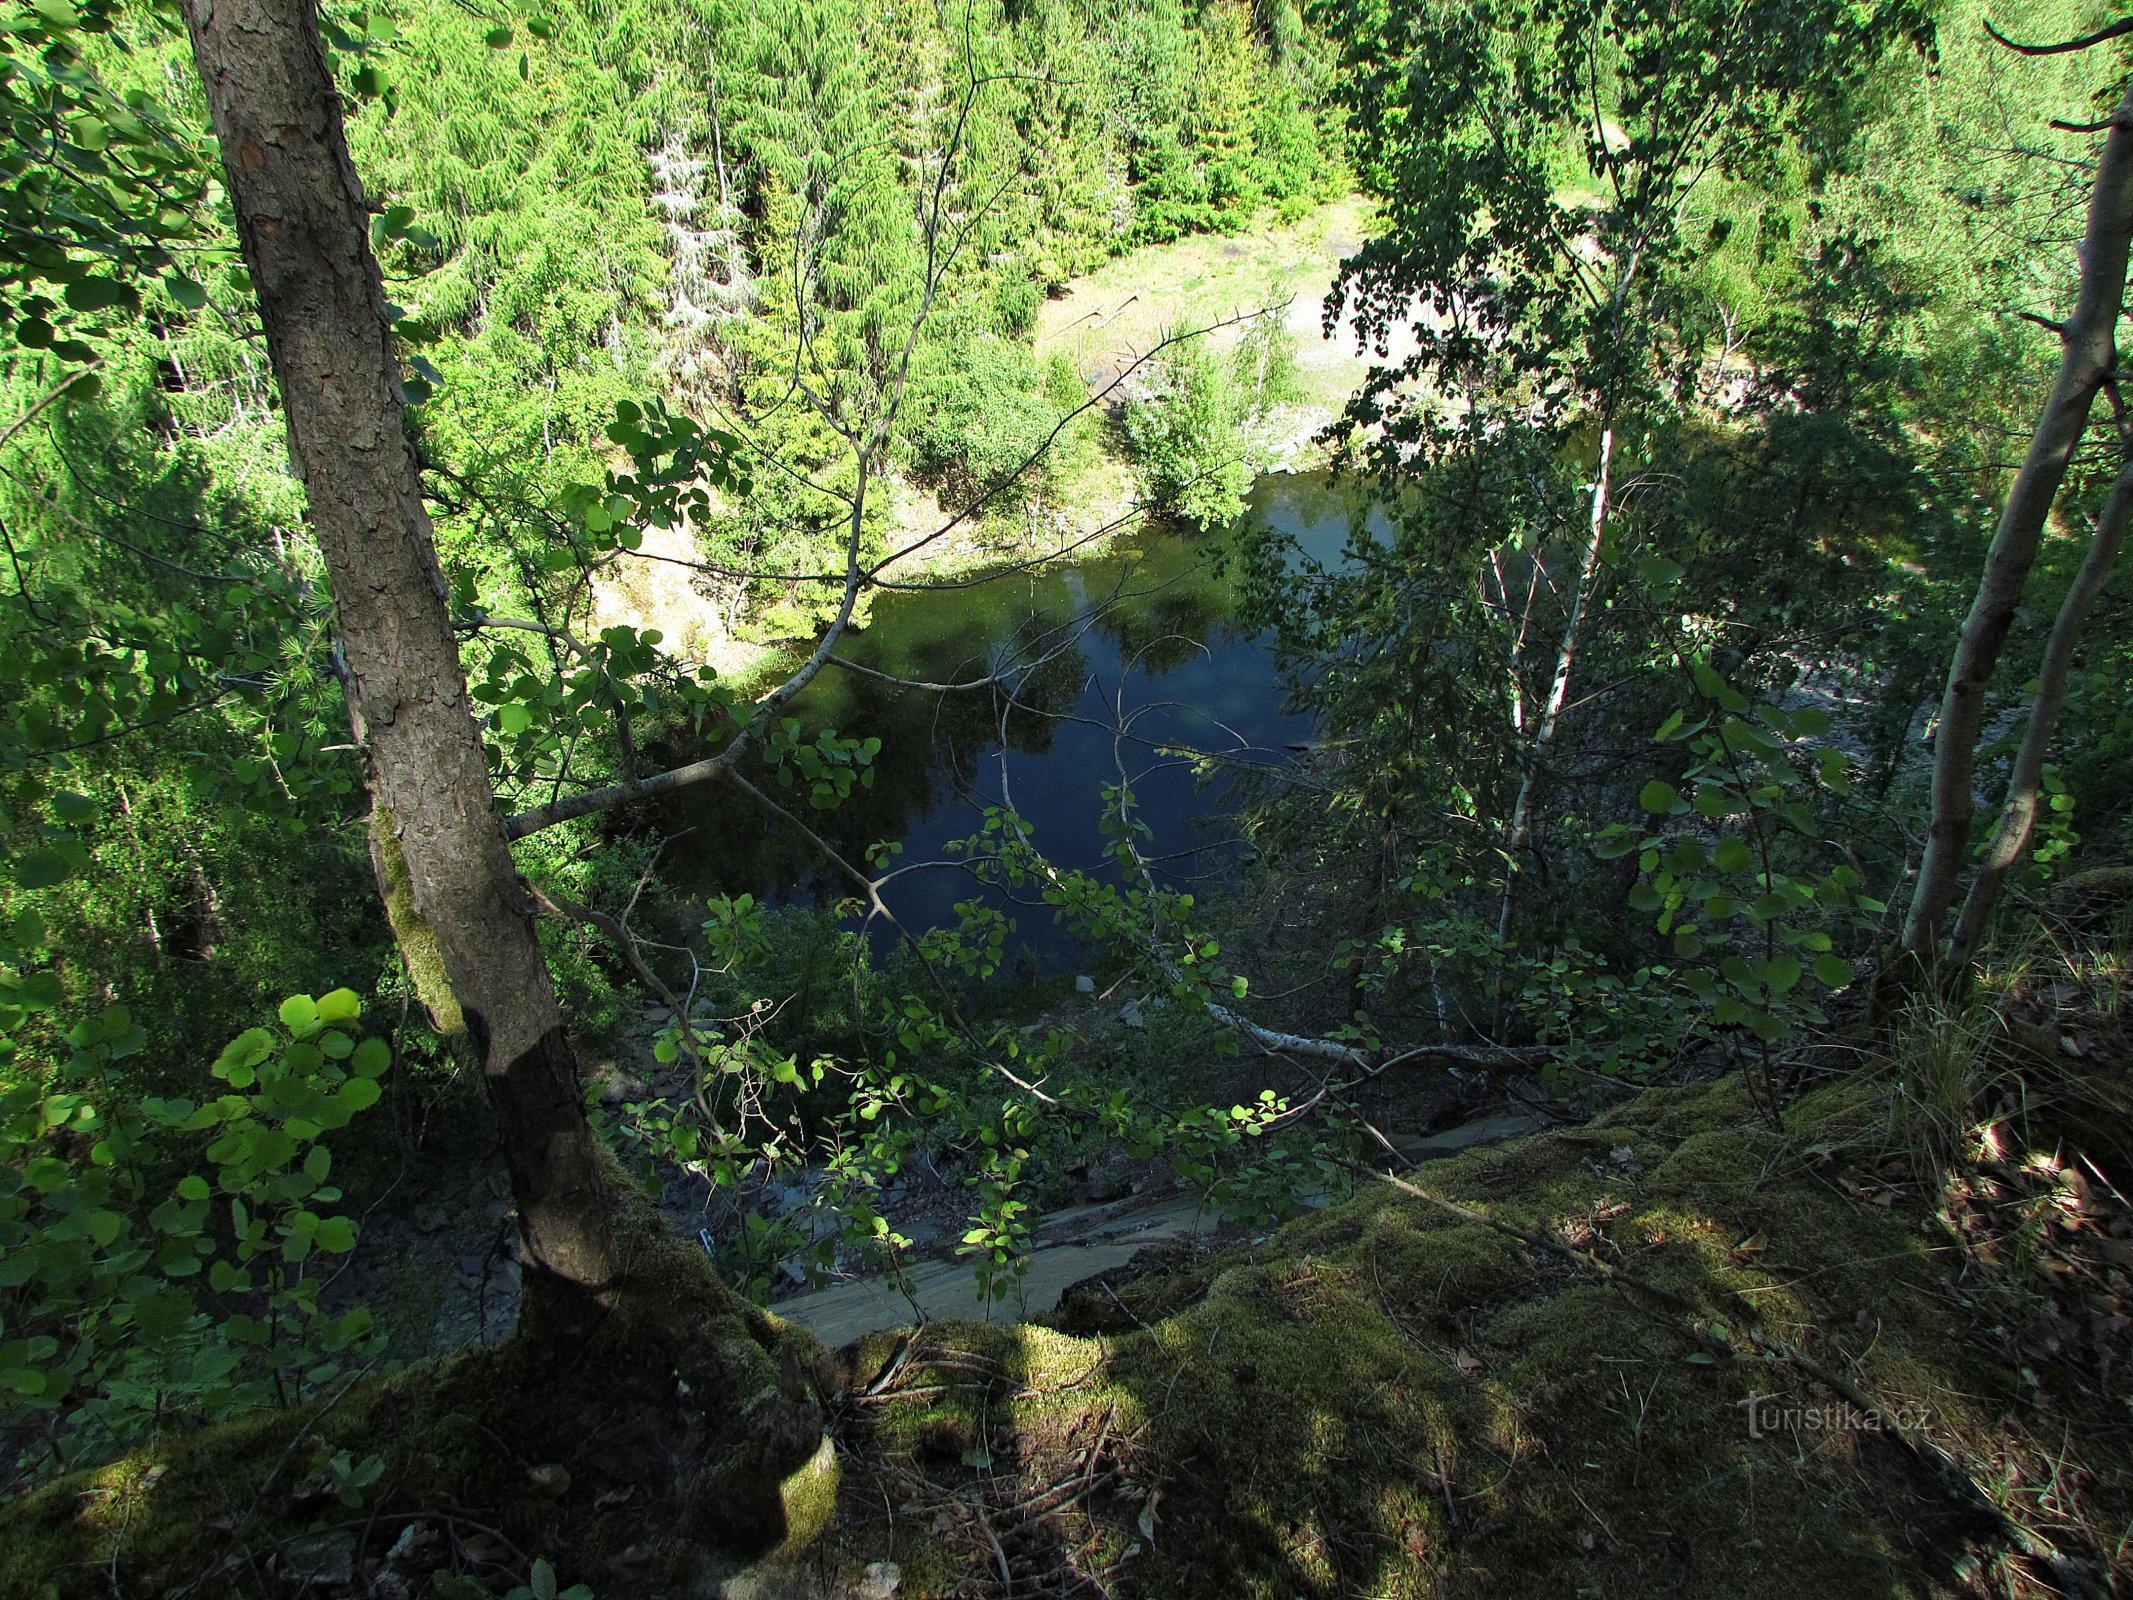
(1470, 1136)
(1110, 1237)
(1072, 1244)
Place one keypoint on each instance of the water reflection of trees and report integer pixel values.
(1042, 640)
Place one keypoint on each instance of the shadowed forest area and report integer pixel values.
(1065, 798)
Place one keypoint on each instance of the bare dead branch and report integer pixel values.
(2086, 41)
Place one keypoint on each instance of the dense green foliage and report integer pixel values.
(1698, 376)
(1192, 430)
(1703, 424)
(149, 1282)
(587, 215)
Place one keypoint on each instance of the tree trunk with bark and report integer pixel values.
(1514, 842)
(628, 1324)
(304, 228)
(2088, 351)
(2018, 812)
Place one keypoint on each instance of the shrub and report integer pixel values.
(1185, 434)
(110, 1229)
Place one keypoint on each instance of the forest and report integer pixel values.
(1175, 798)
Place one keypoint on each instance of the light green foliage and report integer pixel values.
(988, 417)
(162, 578)
(828, 766)
(157, 1254)
(1195, 429)
(171, 736)
(126, 179)
(1186, 437)
(1541, 167)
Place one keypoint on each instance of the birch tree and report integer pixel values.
(2088, 341)
(1551, 306)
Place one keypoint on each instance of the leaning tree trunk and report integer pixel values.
(304, 229)
(2018, 813)
(2088, 349)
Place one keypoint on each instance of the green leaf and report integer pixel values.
(1659, 572)
(337, 1235)
(299, 1014)
(342, 1005)
(101, 294)
(1833, 972)
(185, 291)
(1659, 797)
(41, 869)
(226, 1279)
(359, 1094)
(497, 38)
(192, 1187)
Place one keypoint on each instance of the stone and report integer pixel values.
(880, 1580)
(1471, 1135)
(319, 1566)
(923, 1235)
(1084, 984)
(430, 1218)
(419, 1548)
(1130, 1015)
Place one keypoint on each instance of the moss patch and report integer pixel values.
(411, 929)
(1388, 1400)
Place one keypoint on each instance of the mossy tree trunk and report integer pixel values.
(304, 229)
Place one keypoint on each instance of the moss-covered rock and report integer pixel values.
(1388, 1399)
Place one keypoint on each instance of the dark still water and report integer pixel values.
(1130, 666)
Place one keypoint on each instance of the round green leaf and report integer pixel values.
(359, 1094)
(41, 869)
(342, 1005)
(101, 294)
(336, 1235)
